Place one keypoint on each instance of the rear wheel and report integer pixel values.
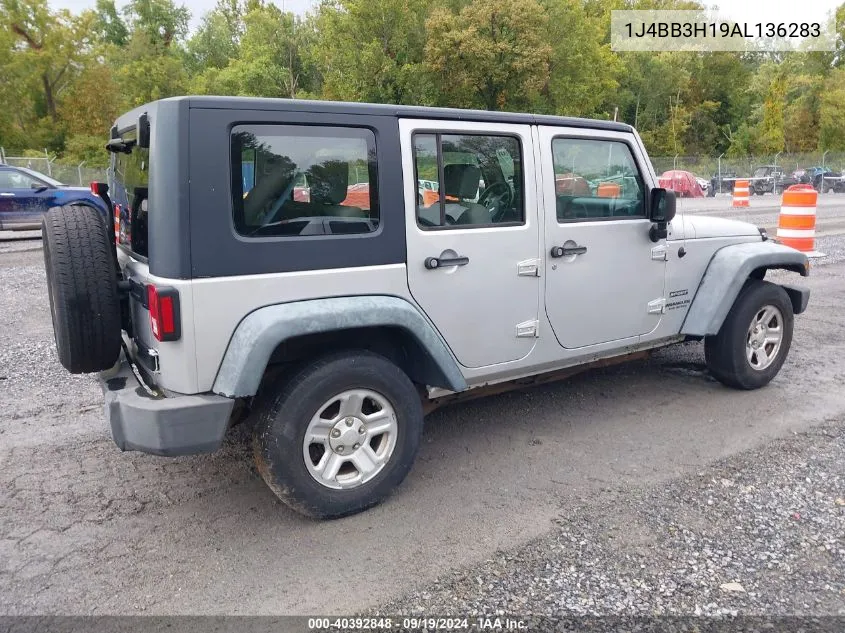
(340, 435)
(82, 288)
(755, 338)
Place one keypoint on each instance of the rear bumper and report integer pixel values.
(182, 425)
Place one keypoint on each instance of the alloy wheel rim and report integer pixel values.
(764, 338)
(350, 439)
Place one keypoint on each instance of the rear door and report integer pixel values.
(604, 276)
(473, 240)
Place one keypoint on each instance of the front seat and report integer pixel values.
(461, 182)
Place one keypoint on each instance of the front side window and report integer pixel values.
(302, 180)
(16, 180)
(596, 180)
(468, 180)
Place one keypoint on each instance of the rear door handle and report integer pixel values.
(433, 263)
(565, 251)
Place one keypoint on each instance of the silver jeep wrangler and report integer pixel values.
(277, 261)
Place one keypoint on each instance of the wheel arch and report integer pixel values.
(286, 332)
(729, 270)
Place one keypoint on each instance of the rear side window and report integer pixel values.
(297, 180)
(596, 180)
(468, 180)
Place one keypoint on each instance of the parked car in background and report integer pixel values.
(833, 182)
(703, 183)
(826, 180)
(683, 183)
(722, 183)
(802, 176)
(25, 195)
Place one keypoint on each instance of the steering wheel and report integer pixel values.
(497, 204)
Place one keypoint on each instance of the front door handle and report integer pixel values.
(433, 263)
(565, 251)
(7, 194)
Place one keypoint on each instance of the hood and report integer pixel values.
(703, 226)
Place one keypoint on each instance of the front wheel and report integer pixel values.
(340, 435)
(755, 338)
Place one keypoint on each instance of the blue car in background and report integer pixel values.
(25, 195)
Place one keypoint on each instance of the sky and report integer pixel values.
(751, 11)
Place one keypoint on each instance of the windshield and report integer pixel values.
(37, 174)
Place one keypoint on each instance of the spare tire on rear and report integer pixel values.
(82, 284)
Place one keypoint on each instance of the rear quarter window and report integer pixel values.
(296, 180)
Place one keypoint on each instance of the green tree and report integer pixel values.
(51, 45)
(832, 112)
(270, 60)
(108, 24)
(771, 136)
(83, 108)
(161, 21)
(372, 50)
(152, 65)
(217, 40)
(583, 72)
(494, 53)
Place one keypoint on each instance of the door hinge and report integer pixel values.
(528, 329)
(660, 253)
(529, 268)
(658, 306)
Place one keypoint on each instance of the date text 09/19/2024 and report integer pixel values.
(723, 30)
(420, 623)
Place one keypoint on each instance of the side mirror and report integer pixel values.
(661, 211)
(662, 208)
(37, 187)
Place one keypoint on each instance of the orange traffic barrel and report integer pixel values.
(740, 194)
(797, 219)
(608, 190)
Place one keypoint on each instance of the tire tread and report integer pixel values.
(80, 267)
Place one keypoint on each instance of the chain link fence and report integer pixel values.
(745, 166)
(77, 175)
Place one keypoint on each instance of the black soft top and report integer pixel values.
(380, 109)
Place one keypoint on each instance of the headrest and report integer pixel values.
(461, 180)
(328, 182)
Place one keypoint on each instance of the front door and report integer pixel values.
(473, 239)
(604, 276)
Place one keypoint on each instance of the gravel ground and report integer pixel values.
(761, 533)
(578, 507)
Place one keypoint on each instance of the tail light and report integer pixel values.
(117, 224)
(165, 320)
